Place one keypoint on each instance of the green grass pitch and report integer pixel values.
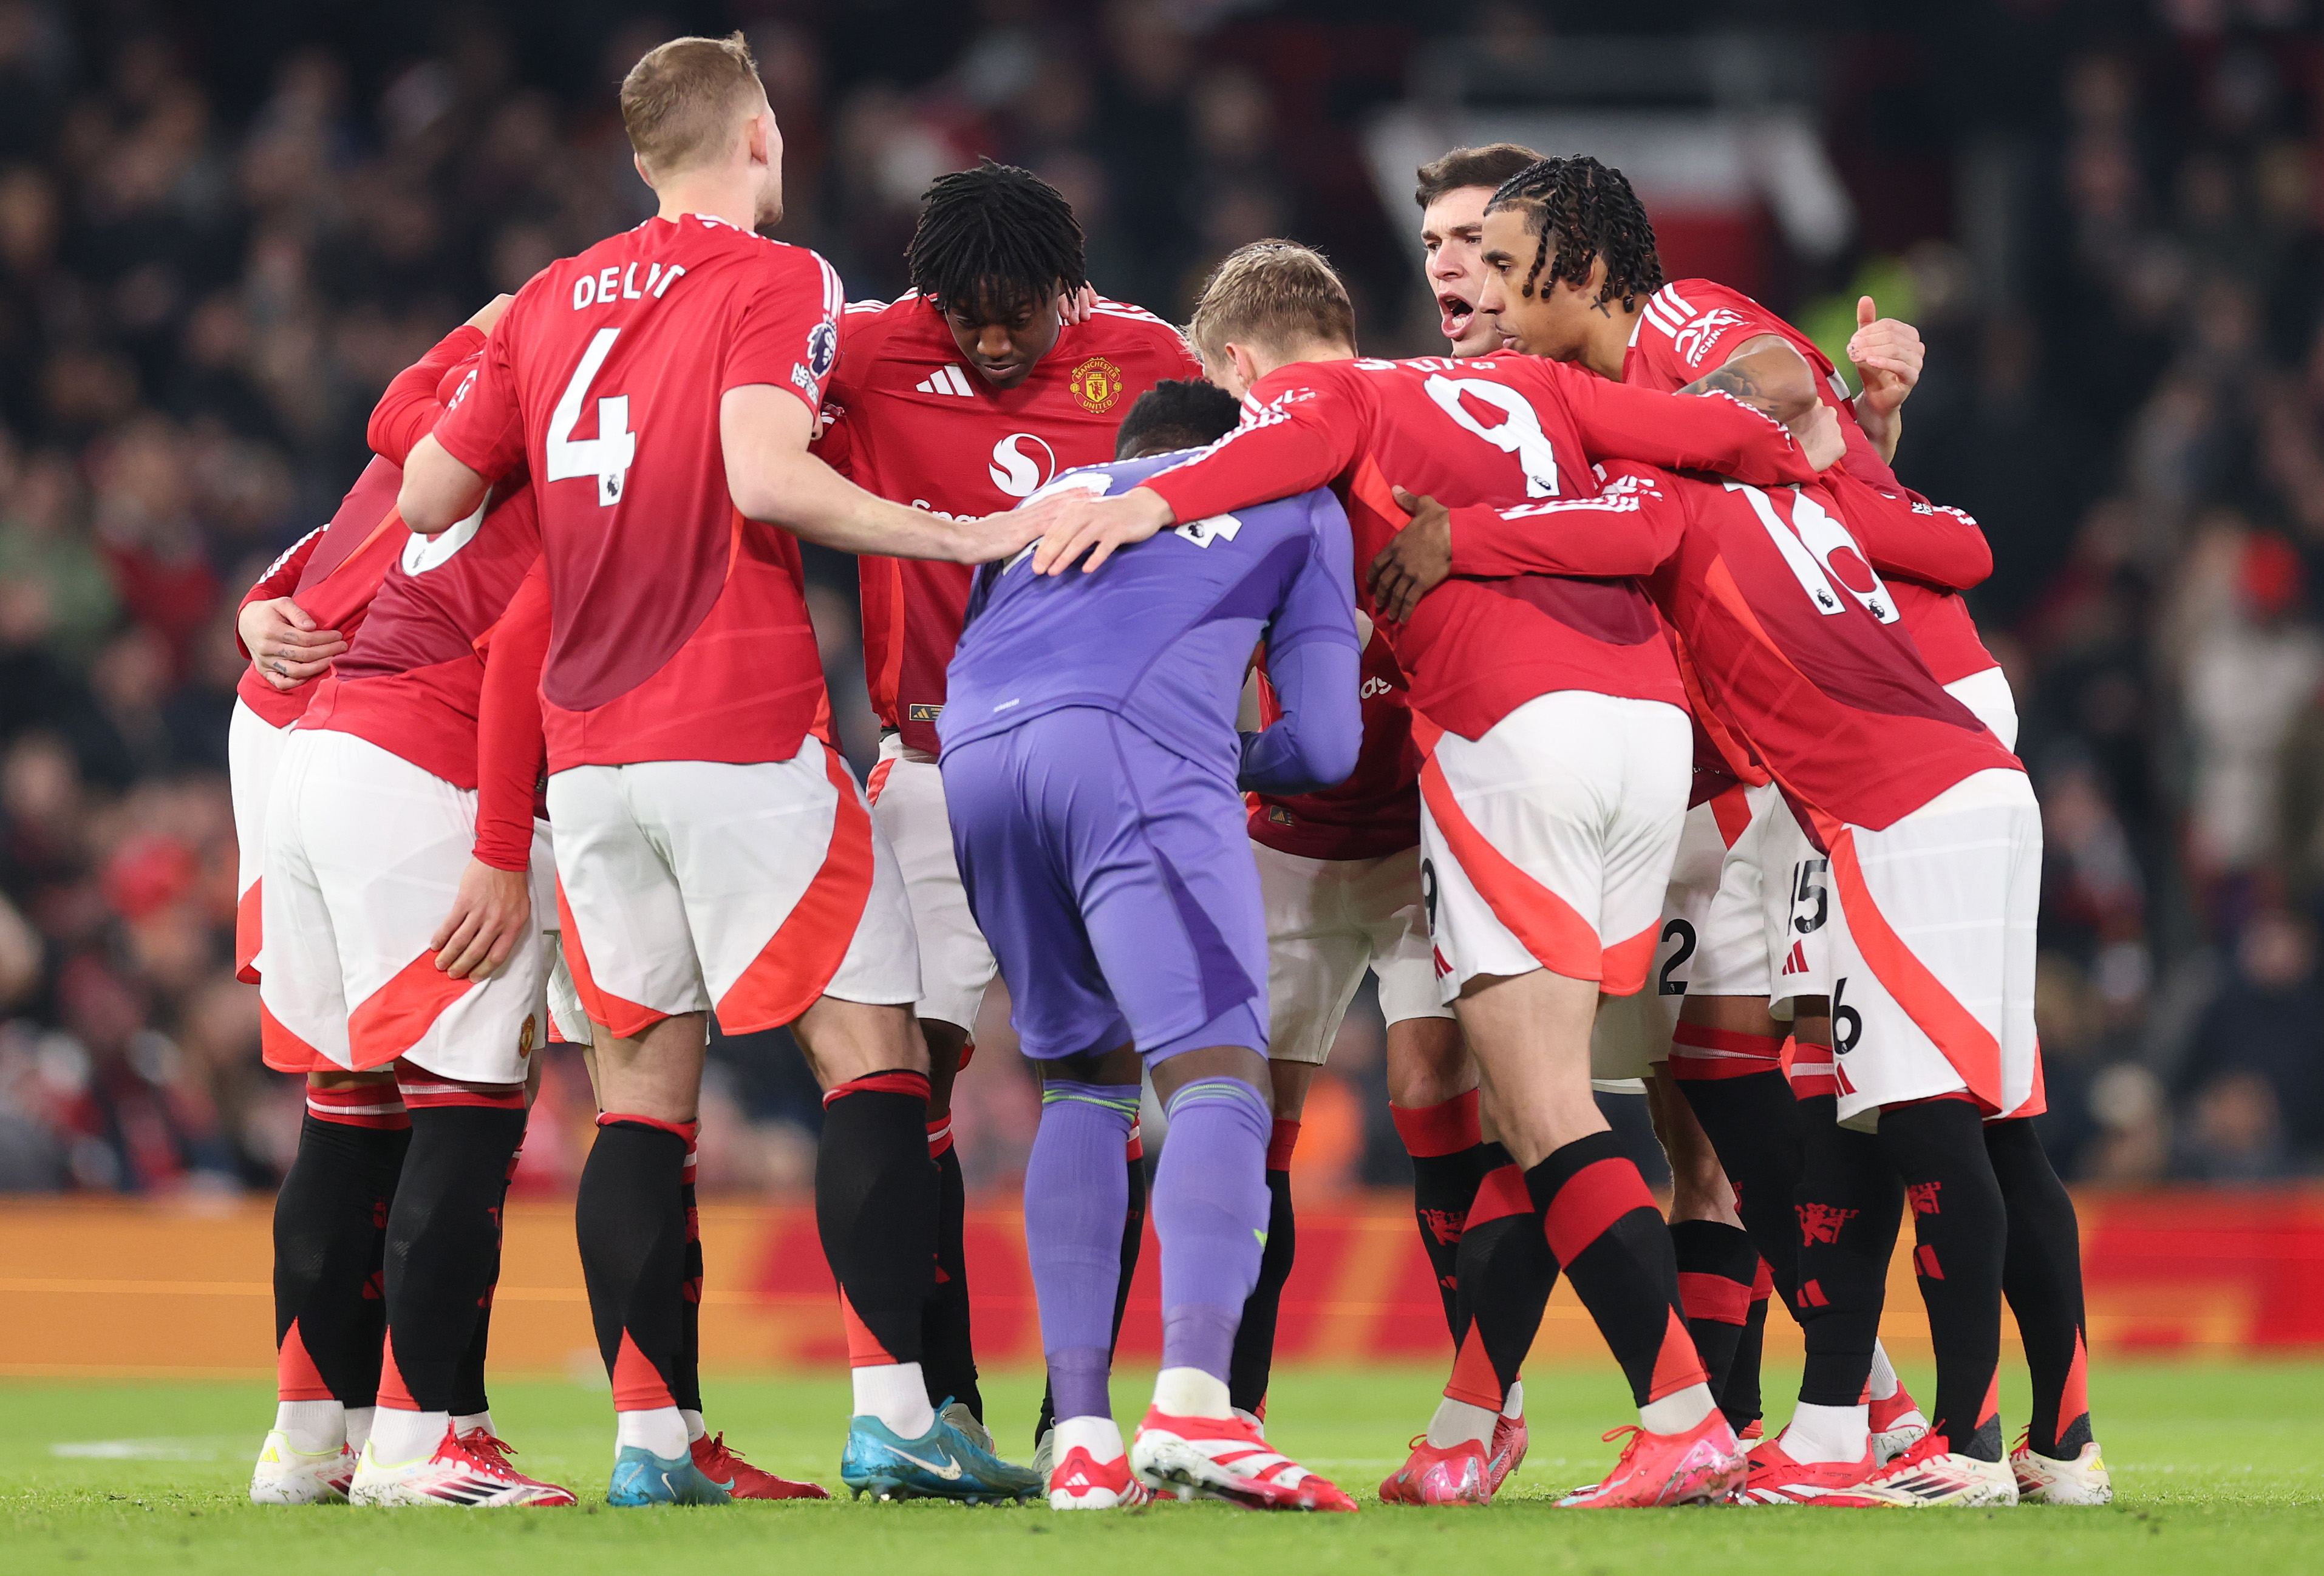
(2216, 1467)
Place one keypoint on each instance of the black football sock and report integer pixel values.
(1504, 1273)
(1716, 1266)
(1755, 1127)
(1740, 1398)
(1253, 1357)
(443, 1243)
(629, 1218)
(1133, 1238)
(1960, 1232)
(1611, 1241)
(686, 1384)
(469, 1397)
(875, 1209)
(1448, 1161)
(330, 1230)
(2041, 1276)
(947, 1345)
(1844, 1228)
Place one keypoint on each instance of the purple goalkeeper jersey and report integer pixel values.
(1162, 635)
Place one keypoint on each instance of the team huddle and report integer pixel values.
(1596, 686)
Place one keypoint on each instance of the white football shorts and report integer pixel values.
(1709, 929)
(365, 852)
(908, 804)
(1327, 921)
(1988, 694)
(1932, 948)
(253, 754)
(1548, 843)
(748, 889)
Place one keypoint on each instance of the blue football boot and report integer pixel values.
(643, 1478)
(946, 1462)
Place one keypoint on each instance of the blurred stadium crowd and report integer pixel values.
(224, 228)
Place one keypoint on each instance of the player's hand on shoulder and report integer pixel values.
(1075, 307)
(1887, 355)
(1416, 559)
(488, 917)
(1816, 431)
(1079, 523)
(490, 313)
(283, 642)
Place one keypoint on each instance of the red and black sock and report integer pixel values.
(1448, 1161)
(1753, 1125)
(444, 1238)
(1960, 1230)
(1716, 1266)
(1133, 1238)
(1610, 1239)
(1503, 1273)
(875, 1209)
(330, 1230)
(1253, 1357)
(1845, 1229)
(631, 1219)
(947, 1343)
(2041, 1276)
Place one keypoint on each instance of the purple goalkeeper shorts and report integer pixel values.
(1115, 884)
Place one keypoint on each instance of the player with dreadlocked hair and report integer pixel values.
(1001, 369)
(1606, 307)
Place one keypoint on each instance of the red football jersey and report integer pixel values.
(411, 682)
(332, 573)
(1928, 555)
(1376, 811)
(905, 417)
(679, 629)
(1792, 641)
(1490, 432)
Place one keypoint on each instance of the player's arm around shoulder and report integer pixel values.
(764, 431)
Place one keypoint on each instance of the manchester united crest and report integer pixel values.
(1097, 384)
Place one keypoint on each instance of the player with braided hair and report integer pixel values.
(1761, 941)
(1000, 369)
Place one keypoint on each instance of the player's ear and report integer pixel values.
(638, 163)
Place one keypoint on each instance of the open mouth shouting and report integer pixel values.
(1458, 314)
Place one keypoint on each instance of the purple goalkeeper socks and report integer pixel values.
(1076, 1193)
(1210, 1207)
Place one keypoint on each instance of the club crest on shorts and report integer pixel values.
(526, 1038)
(1097, 384)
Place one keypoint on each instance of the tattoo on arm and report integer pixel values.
(1778, 385)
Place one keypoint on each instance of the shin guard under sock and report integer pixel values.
(1210, 1208)
(685, 1385)
(1610, 1239)
(2041, 1276)
(1504, 1273)
(1254, 1345)
(1740, 1398)
(875, 1209)
(1961, 1234)
(1075, 1197)
(629, 1218)
(1133, 1236)
(330, 1231)
(443, 1244)
(1755, 1125)
(1448, 1161)
(1716, 1266)
(1845, 1229)
(947, 1341)
(469, 1398)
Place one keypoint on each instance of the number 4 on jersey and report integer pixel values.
(607, 456)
